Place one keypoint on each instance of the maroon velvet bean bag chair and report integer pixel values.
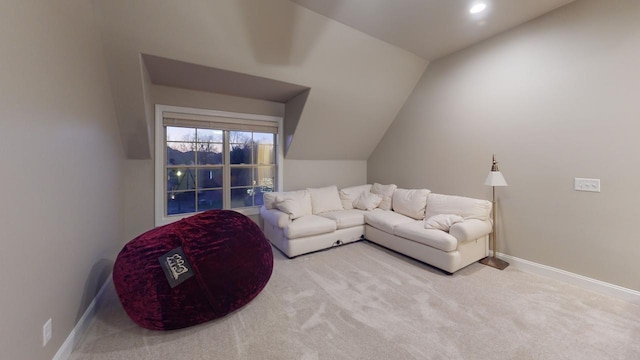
(194, 270)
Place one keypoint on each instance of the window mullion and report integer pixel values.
(165, 192)
(196, 168)
(226, 171)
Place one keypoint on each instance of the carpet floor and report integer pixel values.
(360, 301)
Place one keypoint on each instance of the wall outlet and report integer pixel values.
(582, 184)
(47, 332)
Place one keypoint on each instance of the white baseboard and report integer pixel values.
(64, 352)
(584, 282)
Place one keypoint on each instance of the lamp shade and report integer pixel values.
(495, 178)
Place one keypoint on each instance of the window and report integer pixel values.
(209, 159)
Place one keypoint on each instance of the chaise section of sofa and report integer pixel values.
(453, 234)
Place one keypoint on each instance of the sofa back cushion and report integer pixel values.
(325, 199)
(468, 208)
(269, 199)
(386, 192)
(295, 203)
(368, 201)
(410, 202)
(349, 195)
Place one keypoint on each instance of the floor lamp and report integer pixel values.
(494, 179)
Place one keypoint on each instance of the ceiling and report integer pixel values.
(431, 28)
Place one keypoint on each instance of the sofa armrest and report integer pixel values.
(275, 217)
(470, 229)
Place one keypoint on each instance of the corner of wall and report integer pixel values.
(292, 114)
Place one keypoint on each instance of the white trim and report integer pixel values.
(159, 217)
(64, 352)
(584, 282)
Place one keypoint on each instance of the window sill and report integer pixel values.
(247, 211)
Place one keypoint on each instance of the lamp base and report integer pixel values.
(494, 262)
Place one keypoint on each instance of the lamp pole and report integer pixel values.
(494, 179)
(495, 228)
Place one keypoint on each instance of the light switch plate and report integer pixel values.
(582, 184)
(46, 332)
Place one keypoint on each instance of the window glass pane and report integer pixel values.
(181, 202)
(263, 138)
(180, 134)
(209, 135)
(240, 154)
(240, 147)
(240, 137)
(256, 197)
(181, 153)
(210, 199)
(265, 177)
(264, 154)
(241, 177)
(241, 197)
(209, 154)
(180, 179)
(210, 178)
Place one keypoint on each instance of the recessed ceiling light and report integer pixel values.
(477, 8)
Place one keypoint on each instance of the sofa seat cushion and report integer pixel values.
(309, 225)
(386, 220)
(346, 218)
(432, 237)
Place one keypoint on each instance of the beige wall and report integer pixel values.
(62, 185)
(302, 174)
(554, 99)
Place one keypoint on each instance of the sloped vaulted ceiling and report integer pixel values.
(358, 83)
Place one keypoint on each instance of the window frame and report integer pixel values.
(161, 218)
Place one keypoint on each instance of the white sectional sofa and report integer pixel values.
(445, 231)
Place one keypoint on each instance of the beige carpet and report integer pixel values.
(360, 301)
